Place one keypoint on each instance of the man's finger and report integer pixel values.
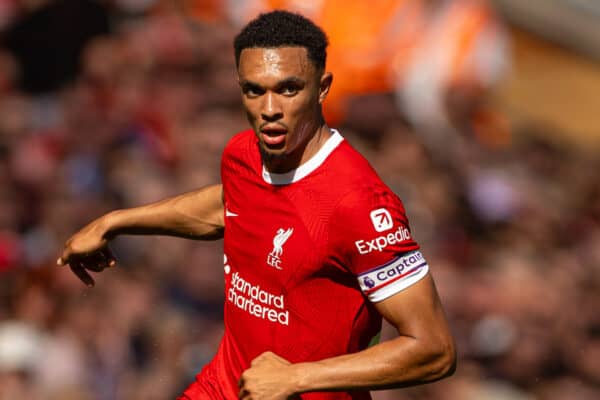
(82, 274)
(110, 259)
(64, 257)
(243, 394)
(96, 261)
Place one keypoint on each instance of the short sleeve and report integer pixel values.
(370, 236)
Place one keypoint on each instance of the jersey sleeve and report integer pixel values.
(371, 238)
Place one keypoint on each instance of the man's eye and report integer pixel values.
(252, 92)
(289, 90)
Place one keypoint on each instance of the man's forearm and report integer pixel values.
(423, 352)
(403, 361)
(196, 215)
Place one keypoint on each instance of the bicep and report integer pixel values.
(202, 211)
(214, 204)
(415, 311)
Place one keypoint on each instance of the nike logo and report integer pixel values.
(230, 214)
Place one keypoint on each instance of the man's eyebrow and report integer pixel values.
(292, 80)
(247, 83)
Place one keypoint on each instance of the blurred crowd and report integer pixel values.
(139, 106)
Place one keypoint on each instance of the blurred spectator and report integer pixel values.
(460, 55)
(47, 47)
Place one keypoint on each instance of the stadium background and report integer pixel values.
(484, 118)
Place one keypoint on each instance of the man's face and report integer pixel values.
(282, 91)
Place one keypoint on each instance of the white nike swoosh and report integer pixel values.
(230, 214)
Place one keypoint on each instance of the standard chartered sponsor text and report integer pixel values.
(256, 301)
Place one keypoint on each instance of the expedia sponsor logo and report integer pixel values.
(381, 219)
(381, 242)
(405, 265)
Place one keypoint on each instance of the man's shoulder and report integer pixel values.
(355, 182)
(241, 141)
(240, 146)
(241, 156)
(352, 169)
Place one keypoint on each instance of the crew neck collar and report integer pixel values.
(307, 167)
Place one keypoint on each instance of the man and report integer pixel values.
(317, 248)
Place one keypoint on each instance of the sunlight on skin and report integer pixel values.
(295, 107)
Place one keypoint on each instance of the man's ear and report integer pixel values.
(324, 86)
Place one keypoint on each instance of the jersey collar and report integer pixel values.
(309, 166)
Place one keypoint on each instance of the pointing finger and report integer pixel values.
(82, 274)
(96, 261)
(64, 258)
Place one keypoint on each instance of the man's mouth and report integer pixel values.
(273, 135)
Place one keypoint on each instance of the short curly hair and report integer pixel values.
(281, 29)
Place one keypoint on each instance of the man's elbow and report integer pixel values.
(444, 360)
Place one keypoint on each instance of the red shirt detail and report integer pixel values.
(291, 262)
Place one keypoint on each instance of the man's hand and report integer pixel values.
(88, 250)
(269, 377)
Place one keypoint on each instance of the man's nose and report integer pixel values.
(271, 110)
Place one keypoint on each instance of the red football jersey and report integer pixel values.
(307, 253)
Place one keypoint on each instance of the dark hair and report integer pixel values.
(280, 29)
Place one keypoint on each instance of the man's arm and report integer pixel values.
(423, 352)
(194, 215)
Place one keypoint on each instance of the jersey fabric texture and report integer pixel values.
(307, 254)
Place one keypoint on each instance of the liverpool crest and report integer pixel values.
(274, 257)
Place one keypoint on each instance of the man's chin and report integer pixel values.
(271, 151)
(273, 156)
